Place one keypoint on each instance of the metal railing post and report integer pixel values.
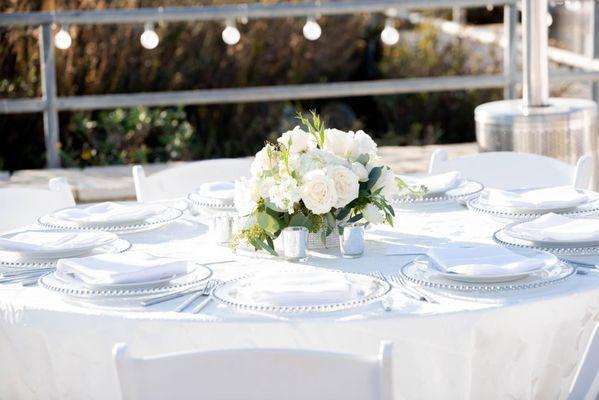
(48, 73)
(510, 22)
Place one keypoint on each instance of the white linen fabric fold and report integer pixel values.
(129, 267)
(485, 260)
(539, 199)
(554, 227)
(223, 190)
(54, 240)
(110, 212)
(298, 288)
(436, 183)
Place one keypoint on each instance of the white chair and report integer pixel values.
(255, 374)
(22, 206)
(178, 181)
(586, 381)
(511, 170)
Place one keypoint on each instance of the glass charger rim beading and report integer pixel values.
(169, 215)
(566, 271)
(207, 202)
(589, 208)
(440, 197)
(502, 238)
(88, 293)
(324, 308)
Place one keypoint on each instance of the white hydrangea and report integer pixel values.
(285, 195)
(317, 159)
(264, 161)
(245, 196)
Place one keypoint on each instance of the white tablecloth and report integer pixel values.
(521, 345)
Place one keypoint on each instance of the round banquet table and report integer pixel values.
(512, 345)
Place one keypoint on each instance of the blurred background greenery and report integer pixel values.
(109, 59)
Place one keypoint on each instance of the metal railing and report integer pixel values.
(50, 103)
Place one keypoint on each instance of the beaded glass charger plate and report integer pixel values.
(75, 288)
(478, 204)
(464, 190)
(199, 202)
(169, 215)
(365, 290)
(421, 273)
(11, 262)
(570, 248)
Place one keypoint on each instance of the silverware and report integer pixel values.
(379, 275)
(170, 296)
(399, 280)
(9, 274)
(15, 278)
(211, 284)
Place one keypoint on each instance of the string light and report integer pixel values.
(390, 35)
(231, 35)
(149, 38)
(312, 30)
(62, 39)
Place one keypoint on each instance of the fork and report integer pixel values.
(379, 275)
(400, 281)
(211, 284)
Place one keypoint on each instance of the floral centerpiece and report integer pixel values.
(315, 179)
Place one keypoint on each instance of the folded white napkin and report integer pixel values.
(298, 288)
(109, 212)
(54, 240)
(539, 199)
(554, 227)
(485, 260)
(129, 267)
(436, 183)
(223, 190)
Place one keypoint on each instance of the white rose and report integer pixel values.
(297, 140)
(245, 196)
(363, 144)
(285, 195)
(360, 171)
(265, 160)
(373, 214)
(388, 184)
(339, 142)
(346, 184)
(318, 192)
(317, 159)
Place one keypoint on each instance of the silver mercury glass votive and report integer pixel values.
(222, 227)
(295, 243)
(351, 239)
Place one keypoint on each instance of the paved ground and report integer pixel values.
(115, 182)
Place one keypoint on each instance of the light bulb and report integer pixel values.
(231, 35)
(389, 35)
(62, 39)
(149, 38)
(312, 30)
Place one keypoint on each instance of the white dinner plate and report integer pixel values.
(120, 220)
(50, 254)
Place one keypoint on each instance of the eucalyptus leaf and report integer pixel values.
(373, 176)
(356, 218)
(342, 213)
(267, 222)
(269, 204)
(300, 219)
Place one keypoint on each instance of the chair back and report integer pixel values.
(586, 380)
(178, 181)
(255, 374)
(511, 170)
(22, 206)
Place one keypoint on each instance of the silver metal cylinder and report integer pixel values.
(565, 129)
(535, 69)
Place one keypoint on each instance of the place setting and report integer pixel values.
(212, 197)
(423, 189)
(25, 255)
(532, 203)
(124, 281)
(116, 217)
(479, 269)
